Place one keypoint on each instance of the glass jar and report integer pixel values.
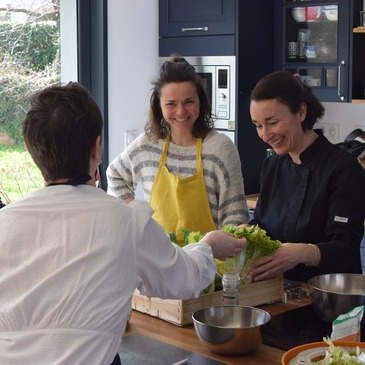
(231, 283)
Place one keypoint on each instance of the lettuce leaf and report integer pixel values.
(259, 244)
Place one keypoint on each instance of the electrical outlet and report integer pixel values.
(330, 130)
(130, 136)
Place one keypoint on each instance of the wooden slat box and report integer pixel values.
(179, 312)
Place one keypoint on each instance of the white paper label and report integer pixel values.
(341, 219)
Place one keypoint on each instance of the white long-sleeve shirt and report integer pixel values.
(70, 260)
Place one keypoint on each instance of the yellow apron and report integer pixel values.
(181, 203)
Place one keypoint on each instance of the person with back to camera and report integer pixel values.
(312, 194)
(72, 255)
(190, 174)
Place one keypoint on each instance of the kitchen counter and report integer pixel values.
(186, 338)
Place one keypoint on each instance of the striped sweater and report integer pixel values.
(139, 162)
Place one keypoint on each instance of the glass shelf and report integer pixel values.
(311, 38)
(329, 53)
(315, 35)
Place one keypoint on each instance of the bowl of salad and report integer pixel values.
(326, 353)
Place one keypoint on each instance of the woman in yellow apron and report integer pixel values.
(181, 203)
(190, 173)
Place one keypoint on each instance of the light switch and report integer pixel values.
(130, 136)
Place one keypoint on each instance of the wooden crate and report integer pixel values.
(179, 312)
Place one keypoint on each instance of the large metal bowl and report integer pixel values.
(230, 330)
(335, 294)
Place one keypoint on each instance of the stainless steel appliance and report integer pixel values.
(218, 75)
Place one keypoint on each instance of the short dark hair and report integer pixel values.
(289, 89)
(60, 128)
(177, 69)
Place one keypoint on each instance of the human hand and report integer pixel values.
(244, 225)
(128, 200)
(285, 258)
(223, 244)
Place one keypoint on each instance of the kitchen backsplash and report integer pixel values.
(340, 119)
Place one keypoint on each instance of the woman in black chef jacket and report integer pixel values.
(312, 195)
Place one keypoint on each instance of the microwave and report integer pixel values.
(217, 74)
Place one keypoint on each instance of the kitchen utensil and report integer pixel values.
(303, 35)
(298, 14)
(311, 51)
(305, 354)
(302, 46)
(330, 12)
(313, 13)
(230, 330)
(335, 294)
(293, 49)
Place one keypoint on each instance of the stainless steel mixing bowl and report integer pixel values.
(230, 330)
(335, 294)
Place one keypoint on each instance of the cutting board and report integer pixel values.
(138, 349)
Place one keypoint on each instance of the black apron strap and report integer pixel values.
(76, 180)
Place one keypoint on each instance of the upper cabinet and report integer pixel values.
(197, 27)
(314, 40)
(358, 65)
(196, 18)
(240, 28)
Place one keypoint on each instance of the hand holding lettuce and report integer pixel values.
(259, 244)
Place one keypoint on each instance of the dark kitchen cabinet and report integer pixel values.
(197, 27)
(240, 28)
(195, 18)
(255, 49)
(314, 39)
(358, 65)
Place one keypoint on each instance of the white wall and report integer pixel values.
(132, 64)
(68, 25)
(347, 115)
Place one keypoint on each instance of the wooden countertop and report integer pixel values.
(186, 338)
(359, 30)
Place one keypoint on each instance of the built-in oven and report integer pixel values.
(218, 77)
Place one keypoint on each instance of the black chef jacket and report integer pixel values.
(321, 201)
